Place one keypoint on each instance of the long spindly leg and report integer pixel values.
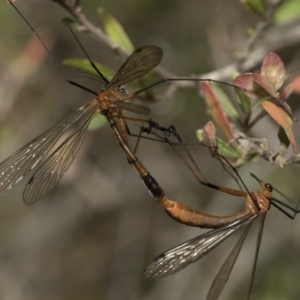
(35, 32)
(171, 131)
(175, 209)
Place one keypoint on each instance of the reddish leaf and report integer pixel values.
(281, 118)
(216, 110)
(261, 81)
(249, 86)
(209, 135)
(273, 72)
(264, 84)
(215, 145)
(296, 85)
(292, 87)
(245, 81)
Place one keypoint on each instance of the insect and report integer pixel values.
(113, 98)
(110, 102)
(257, 205)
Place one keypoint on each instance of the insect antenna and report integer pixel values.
(64, 19)
(50, 54)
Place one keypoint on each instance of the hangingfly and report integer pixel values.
(110, 102)
(257, 205)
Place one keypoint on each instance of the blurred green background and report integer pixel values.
(93, 235)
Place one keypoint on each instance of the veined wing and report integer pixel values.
(15, 167)
(135, 108)
(258, 242)
(55, 166)
(176, 259)
(224, 273)
(138, 64)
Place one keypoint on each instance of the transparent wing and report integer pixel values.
(176, 259)
(224, 273)
(258, 242)
(15, 167)
(138, 64)
(52, 170)
(135, 108)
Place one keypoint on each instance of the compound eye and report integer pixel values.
(269, 187)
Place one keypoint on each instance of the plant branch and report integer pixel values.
(279, 38)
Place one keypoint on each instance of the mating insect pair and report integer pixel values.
(110, 102)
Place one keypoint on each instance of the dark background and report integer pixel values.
(93, 235)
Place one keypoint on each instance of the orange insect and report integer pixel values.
(257, 205)
(110, 102)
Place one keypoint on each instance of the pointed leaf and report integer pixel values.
(216, 111)
(257, 6)
(84, 65)
(209, 137)
(115, 31)
(273, 71)
(245, 81)
(292, 87)
(74, 24)
(244, 103)
(280, 117)
(143, 82)
(226, 104)
(226, 150)
(265, 91)
(209, 134)
(223, 148)
(247, 84)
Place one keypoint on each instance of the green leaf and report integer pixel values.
(84, 65)
(224, 149)
(216, 110)
(257, 6)
(143, 82)
(226, 104)
(115, 31)
(74, 24)
(243, 100)
(244, 103)
(97, 122)
(273, 72)
(200, 135)
(287, 12)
